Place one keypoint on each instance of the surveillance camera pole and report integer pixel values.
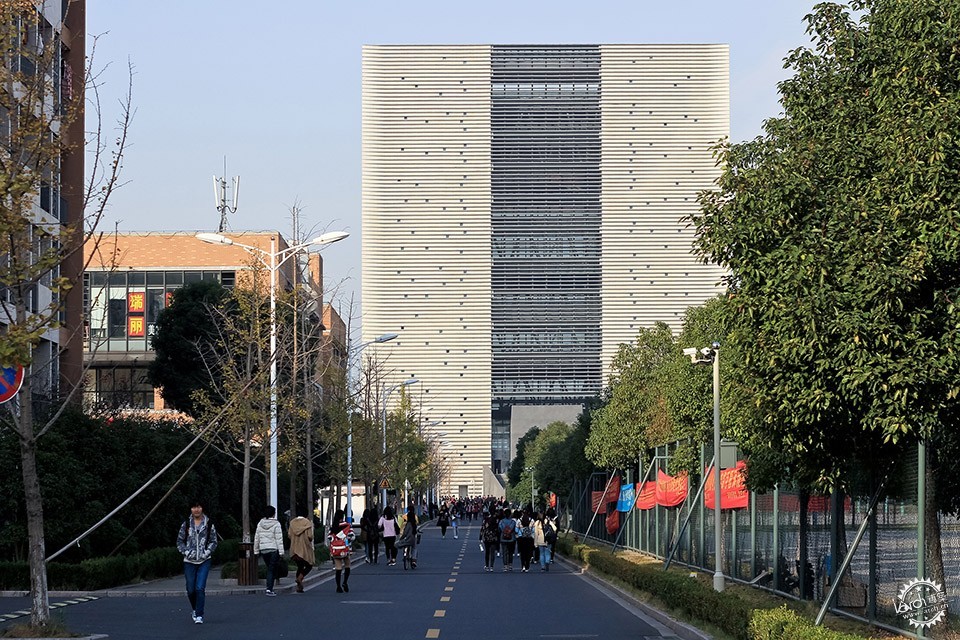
(718, 582)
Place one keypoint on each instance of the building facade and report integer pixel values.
(131, 277)
(45, 62)
(523, 216)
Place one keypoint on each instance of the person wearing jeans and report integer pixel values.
(543, 529)
(268, 542)
(197, 541)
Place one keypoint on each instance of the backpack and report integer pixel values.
(490, 533)
(550, 533)
(507, 532)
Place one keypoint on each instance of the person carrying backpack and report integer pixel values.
(508, 539)
(197, 541)
(490, 538)
(525, 543)
(545, 536)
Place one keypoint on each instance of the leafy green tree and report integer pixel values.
(520, 459)
(636, 416)
(185, 331)
(90, 464)
(535, 470)
(840, 227)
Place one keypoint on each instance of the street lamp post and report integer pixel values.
(533, 472)
(711, 355)
(386, 394)
(387, 337)
(276, 260)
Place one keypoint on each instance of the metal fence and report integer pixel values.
(790, 541)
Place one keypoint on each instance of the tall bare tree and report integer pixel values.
(42, 98)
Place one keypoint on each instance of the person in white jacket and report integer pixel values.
(268, 542)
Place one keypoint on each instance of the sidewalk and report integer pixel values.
(175, 586)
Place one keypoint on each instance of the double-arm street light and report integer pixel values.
(387, 337)
(386, 394)
(711, 355)
(273, 260)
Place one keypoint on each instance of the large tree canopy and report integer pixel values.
(185, 331)
(841, 231)
(636, 416)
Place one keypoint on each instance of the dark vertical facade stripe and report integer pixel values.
(545, 215)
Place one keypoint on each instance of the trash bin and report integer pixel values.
(247, 573)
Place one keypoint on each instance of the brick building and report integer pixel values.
(130, 278)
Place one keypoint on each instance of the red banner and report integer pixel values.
(733, 488)
(613, 520)
(671, 491)
(600, 499)
(647, 496)
(552, 500)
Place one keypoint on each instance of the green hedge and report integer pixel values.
(105, 573)
(699, 601)
(723, 609)
(784, 624)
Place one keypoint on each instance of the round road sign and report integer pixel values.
(10, 380)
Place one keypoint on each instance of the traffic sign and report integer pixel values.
(10, 380)
(384, 484)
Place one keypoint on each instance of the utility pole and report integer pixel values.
(220, 196)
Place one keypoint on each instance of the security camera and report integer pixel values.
(691, 352)
(707, 352)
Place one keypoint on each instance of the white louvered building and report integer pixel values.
(522, 212)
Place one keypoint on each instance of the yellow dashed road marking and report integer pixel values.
(451, 579)
(444, 598)
(439, 613)
(448, 588)
(433, 633)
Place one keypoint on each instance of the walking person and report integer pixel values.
(408, 540)
(268, 542)
(197, 541)
(371, 534)
(525, 543)
(340, 540)
(453, 522)
(387, 526)
(300, 532)
(443, 521)
(490, 538)
(508, 539)
(545, 536)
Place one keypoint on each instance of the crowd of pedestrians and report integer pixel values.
(523, 535)
(531, 537)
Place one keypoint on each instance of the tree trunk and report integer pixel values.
(934, 550)
(36, 549)
(245, 497)
(311, 498)
(293, 489)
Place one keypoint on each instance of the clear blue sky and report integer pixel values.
(275, 88)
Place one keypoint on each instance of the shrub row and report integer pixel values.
(699, 601)
(784, 624)
(104, 573)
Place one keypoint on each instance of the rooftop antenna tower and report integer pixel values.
(220, 196)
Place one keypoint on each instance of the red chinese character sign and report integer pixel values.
(135, 327)
(10, 380)
(135, 301)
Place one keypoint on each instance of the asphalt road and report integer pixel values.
(448, 596)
